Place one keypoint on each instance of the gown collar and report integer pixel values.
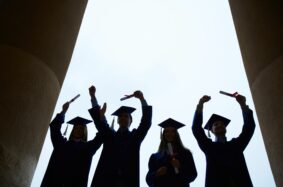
(221, 139)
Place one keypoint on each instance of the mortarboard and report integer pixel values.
(124, 109)
(214, 118)
(77, 121)
(171, 123)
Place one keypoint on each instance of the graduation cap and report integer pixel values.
(124, 109)
(214, 118)
(121, 110)
(170, 123)
(77, 121)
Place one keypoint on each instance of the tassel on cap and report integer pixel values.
(112, 124)
(208, 133)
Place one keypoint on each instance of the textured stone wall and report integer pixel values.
(37, 39)
(259, 26)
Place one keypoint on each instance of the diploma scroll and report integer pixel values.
(72, 100)
(126, 97)
(76, 97)
(229, 94)
(170, 150)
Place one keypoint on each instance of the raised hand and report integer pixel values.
(161, 171)
(102, 111)
(204, 99)
(92, 91)
(138, 94)
(175, 163)
(241, 100)
(65, 107)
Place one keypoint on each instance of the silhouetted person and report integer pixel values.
(225, 162)
(70, 161)
(173, 165)
(118, 165)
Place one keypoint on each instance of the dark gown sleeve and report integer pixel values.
(150, 176)
(199, 133)
(248, 129)
(187, 170)
(55, 131)
(145, 123)
(101, 125)
(95, 143)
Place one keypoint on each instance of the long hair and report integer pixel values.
(177, 143)
(84, 138)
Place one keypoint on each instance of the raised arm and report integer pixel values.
(97, 113)
(145, 123)
(249, 124)
(198, 131)
(95, 143)
(55, 127)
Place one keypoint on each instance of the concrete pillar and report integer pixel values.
(37, 39)
(259, 26)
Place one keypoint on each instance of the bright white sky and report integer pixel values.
(175, 51)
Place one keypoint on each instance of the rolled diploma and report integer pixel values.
(170, 149)
(228, 94)
(72, 100)
(126, 97)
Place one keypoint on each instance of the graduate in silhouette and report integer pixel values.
(118, 165)
(225, 162)
(173, 165)
(70, 161)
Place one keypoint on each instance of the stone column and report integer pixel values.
(259, 26)
(37, 38)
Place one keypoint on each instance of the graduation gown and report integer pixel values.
(187, 171)
(70, 161)
(225, 162)
(119, 160)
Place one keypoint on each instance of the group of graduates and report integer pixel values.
(173, 164)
